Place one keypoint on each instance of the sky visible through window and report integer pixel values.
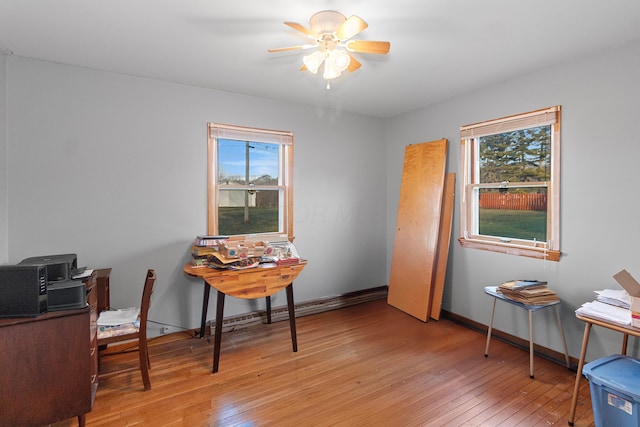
(232, 156)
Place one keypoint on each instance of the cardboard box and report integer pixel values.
(632, 287)
(234, 249)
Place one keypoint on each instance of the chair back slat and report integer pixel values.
(146, 300)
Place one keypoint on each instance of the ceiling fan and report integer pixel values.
(331, 33)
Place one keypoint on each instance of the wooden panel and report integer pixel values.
(416, 242)
(446, 221)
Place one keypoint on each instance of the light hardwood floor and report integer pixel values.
(365, 365)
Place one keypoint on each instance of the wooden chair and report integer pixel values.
(130, 333)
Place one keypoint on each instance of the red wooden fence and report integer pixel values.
(528, 202)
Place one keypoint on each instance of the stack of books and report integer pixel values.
(209, 241)
(203, 247)
(530, 292)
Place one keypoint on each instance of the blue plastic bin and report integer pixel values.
(614, 382)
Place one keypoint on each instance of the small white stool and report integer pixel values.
(492, 291)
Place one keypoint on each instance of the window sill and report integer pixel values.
(506, 248)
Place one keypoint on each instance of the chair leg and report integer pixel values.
(144, 364)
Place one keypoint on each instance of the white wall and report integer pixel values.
(600, 201)
(4, 222)
(113, 168)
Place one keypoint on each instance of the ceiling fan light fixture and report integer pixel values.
(335, 63)
(331, 70)
(326, 22)
(340, 58)
(313, 61)
(332, 32)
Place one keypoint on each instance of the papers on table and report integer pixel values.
(617, 297)
(611, 305)
(605, 312)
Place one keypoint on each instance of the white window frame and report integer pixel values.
(285, 179)
(469, 134)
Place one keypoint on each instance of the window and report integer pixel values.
(511, 185)
(250, 182)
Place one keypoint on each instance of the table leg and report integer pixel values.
(218, 331)
(205, 306)
(576, 388)
(530, 343)
(625, 341)
(564, 342)
(268, 309)
(486, 348)
(292, 317)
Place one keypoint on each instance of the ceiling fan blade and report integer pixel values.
(299, 47)
(354, 64)
(349, 28)
(302, 29)
(366, 46)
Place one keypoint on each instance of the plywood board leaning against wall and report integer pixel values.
(413, 263)
(446, 222)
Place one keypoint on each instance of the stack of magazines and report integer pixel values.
(530, 292)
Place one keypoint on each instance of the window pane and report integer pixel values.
(518, 213)
(250, 182)
(518, 156)
(248, 212)
(247, 162)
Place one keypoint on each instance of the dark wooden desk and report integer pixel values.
(259, 282)
(46, 368)
(50, 362)
(624, 330)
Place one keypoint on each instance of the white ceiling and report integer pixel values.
(439, 48)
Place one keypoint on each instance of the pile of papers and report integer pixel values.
(118, 317)
(530, 292)
(240, 253)
(610, 305)
(118, 322)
